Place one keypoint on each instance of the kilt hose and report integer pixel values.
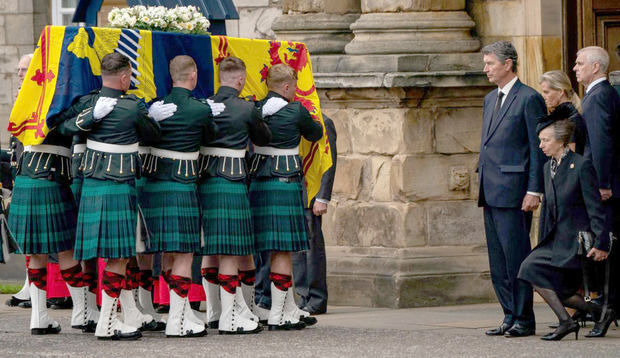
(226, 217)
(107, 220)
(278, 215)
(172, 215)
(42, 216)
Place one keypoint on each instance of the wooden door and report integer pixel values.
(591, 23)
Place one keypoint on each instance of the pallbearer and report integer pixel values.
(275, 191)
(43, 220)
(227, 219)
(171, 196)
(108, 215)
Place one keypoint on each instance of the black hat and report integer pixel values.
(562, 111)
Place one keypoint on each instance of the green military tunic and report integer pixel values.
(171, 203)
(43, 211)
(276, 191)
(107, 224)
(226, 214)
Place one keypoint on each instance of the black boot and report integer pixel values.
(601, 327)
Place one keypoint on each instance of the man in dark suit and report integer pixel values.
(601, 114)
(511, 183)
(309, 267)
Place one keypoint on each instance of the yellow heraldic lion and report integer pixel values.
(104, 43)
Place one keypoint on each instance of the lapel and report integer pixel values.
(504, 109)
(488, 112)
(596, 86)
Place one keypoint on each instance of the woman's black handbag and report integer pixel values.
(586, 243)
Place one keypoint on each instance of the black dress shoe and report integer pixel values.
(48, 330)
(162, 309)
(288, 326)
(499, 331)
(118, 336)
(315, 311)
(14, 302)
(601, 327)
(520, 330)
(564, 328)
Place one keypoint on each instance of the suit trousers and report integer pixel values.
(310, 267)
(613, 205)
(508, 242)
(262, 287)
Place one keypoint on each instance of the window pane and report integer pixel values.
(69, 3)
(66, 19)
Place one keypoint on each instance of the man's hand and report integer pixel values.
(319, 208)
(530, 202)
(103, 107)
(160, 111)
(605, 194)
(216, 107)
(599, 255)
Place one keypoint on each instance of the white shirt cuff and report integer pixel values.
(540, 195)
(322, 201)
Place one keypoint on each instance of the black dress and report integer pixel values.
(572, 204)
(580, 134)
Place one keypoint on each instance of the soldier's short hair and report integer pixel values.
(231, 64)
(181, 67)
(280, 74)
(114, 63)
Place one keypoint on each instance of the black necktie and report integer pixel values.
(498, 105)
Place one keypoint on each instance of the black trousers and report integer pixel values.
(310, 267)
(508, 242)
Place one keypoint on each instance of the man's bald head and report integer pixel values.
(22, 66)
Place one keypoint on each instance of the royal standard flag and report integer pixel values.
(66, 65)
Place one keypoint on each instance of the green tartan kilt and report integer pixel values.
(42, 216)
(107, 220)
(172, 215)
(226, 218)
(278, 215)
(76, 189)
(140, 183)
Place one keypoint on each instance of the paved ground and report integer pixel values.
(456, 331)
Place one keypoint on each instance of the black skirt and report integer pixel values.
(538, 270)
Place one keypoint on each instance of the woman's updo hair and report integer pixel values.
(559, 81)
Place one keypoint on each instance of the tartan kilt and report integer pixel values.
(226, 218)
(76, 189)
(107, 220)
(42, 216)
(172, 215)
(140, 183)
(278, 215)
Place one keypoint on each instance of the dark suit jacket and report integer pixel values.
(573, 204)
(327, 181)
(601, 113)
(510, 160)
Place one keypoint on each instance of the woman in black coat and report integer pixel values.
(572, 204)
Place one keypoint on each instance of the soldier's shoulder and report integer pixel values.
(131, 97)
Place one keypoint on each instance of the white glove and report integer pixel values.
(216, 107)
(273, 105)
(160, 111)
(103, 107)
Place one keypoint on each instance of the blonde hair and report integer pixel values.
(559, 81)
(180, 67)
(280, 74)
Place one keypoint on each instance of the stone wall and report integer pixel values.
(533, 26)
(16, 39)
(256, 18)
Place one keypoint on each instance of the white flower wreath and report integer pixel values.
(184, 19)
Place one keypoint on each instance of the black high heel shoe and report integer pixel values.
(562, 331)
(601, 327)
